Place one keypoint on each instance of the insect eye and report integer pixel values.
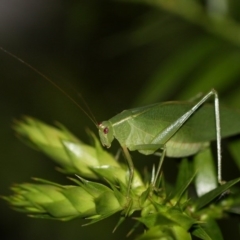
(105, 130)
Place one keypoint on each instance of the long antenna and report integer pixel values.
(87, 107)
(54, 84)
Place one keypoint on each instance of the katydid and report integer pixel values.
(177, 129)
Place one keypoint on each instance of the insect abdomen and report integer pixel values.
(183, 149)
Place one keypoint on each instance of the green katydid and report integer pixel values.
(178, 129)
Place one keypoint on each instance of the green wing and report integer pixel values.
(199, 128)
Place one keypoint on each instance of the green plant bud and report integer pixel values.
(63, 202)
(63, 147)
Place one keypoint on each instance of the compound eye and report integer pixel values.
(105, 130)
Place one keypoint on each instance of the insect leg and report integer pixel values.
(159, 166)
(131, 168)
(130, 162)
(218, 132)
(168, 132)
(153, 147)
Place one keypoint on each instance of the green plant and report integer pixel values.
(171, 50)
(167, 212)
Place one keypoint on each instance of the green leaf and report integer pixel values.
(210, 196)
(184, 172)
(181, 218)
(206, 178)
(212, 229)
(219, 72)
(93, 188)
(157, 232)
(201, 233)
(177, 195)
(234, 147)
(107, 204)
(156, 219)
(165, 233)
(185, 59)
(172, 216)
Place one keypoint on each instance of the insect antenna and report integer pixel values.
(89, 115)
(88, 108)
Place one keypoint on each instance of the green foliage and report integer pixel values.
(170, 50)
(167, 212)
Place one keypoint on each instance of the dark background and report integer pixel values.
(118, 55)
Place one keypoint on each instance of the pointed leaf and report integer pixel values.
(201, 233)
(179, 191)
(212, 229)
(93, 188)
(184, 173)
(210, 196)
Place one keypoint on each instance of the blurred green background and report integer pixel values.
(117, 55)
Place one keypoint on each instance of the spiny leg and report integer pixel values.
(164, 136)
